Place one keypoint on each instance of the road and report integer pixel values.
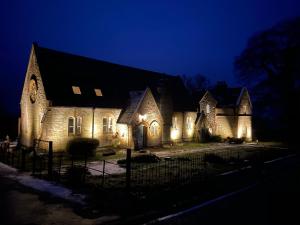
(274, 200)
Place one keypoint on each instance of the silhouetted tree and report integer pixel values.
(196, 83)
(270, 66)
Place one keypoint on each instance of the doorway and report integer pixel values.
(141, 136)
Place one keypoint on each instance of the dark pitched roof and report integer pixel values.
(226, 97)
(60, 71)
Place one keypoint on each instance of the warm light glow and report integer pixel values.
(142, 117)
(98, 92)
(76, 90)
(122, 129)
(174, 134)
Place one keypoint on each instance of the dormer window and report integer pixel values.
(98, 92)
(76, 90)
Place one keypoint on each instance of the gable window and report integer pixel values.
(245, 109)
(174, 122)
(71, 125)
(74, 125)
(76, 90)
(98, 92)
(107, 124)
(189, 123)
(207, 108)
(154, 129)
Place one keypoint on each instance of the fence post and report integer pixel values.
(128, 168)
(50, 160)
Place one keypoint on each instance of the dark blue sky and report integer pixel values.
(174, 37)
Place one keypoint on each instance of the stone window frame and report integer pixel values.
(154, 128)
(108, 125)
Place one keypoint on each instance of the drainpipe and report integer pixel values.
(93, 122)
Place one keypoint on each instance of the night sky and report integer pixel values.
(173, 37)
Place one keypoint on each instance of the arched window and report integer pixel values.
(207, 108)
(154, 129)
(71, 125)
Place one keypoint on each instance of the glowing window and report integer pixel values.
(76, 90)
(78, 125)
(154, 129)
(107, 124)
(207, 108)
(189, 123)
(71, 125)
(98, 92)
(245, 109)
(174, 122)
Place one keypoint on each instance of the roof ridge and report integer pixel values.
(99, 60)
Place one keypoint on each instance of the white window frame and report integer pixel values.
(71, 126)
(108, 126)
(78, 125)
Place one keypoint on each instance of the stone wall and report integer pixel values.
(150, 110)
(210, 118)
(226, 126)
(55, 126)
(32, 113)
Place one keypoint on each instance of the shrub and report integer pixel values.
(215, 138)
(233, 140)
(81, 147)
(149, 158)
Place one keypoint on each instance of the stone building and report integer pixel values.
(226, 112)
(67, 96)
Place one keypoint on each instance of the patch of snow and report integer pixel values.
(5, 168)
(41, 185)
(96, 168)
(49, 187)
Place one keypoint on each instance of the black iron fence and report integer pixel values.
(166, 171)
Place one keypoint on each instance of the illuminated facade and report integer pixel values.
(226, 112)
(67, 96)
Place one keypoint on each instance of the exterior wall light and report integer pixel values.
(142, 117)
